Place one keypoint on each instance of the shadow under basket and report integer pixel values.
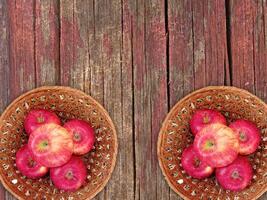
(67, 103)
(175, 135)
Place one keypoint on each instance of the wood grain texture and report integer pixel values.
(150, 94)
(137, 58)
(47, 42)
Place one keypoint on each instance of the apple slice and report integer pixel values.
(248, 135)
(27, 165)
(193, 164)
(37, 118)
(235, 176)
(204, 117)
(51, 145)
(70, 176)
(83, 136)
(217, 145)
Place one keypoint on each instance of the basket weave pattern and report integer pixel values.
(67, 103)
(175, 136)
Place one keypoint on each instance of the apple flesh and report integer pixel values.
(248, 135)
(37, 118)
(194, 165)
(204, 117)
(27, 165)
(217, 145)
(70, 176)
(236, 176)
(51, 145)
(83, 136)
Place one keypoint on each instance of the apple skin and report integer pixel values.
(83, 136)
(236, 176)
(27, 165)
(217, 145)
(51, 145)
(38, 117)
(70, 176)
(248, 135)
(193, 164)
(204, 117)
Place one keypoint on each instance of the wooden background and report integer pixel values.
(137, 58)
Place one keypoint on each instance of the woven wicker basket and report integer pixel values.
(68, 103)
(174, 136)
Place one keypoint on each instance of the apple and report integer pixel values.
(248, 135)
(235, 176)
(70, 176)
(83, 136)
(204, 117)
(194, 165)
(217, 145)
(27, 165)
(36, 118)
(51, 145)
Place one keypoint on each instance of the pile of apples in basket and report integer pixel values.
(221, 149)
(55, 149)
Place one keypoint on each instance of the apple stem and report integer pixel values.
(235, 175)
(40, 119)
(31, 162)
(242, 136)
(69, 175)
(206, 119)
(76, 137)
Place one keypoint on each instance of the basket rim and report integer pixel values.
(165, 122)
(77, 91)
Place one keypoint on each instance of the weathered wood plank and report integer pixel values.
(248, 41)
(150, 94)
(22, 63)
(47, 42)
(197, 48)
(242, 31)
(4, 65)
(72, 46)
(260, 51)
(108, 30)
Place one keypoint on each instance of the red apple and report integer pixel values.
(83, 136)
(203, 117)
(37, 118)
(51, 145)
(70, 176)
(27, 165)
(193, 164)
(235, 176)
(217, 145)
(248, 135)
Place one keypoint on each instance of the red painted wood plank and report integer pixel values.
(22, 63)
(47, 42)
(4, 56)
(242, 31)
(260, 51)
(72, 46)
(150, 94)
(181, 54)
(4, 65)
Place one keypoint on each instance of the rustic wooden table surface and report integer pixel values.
(137, 58)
